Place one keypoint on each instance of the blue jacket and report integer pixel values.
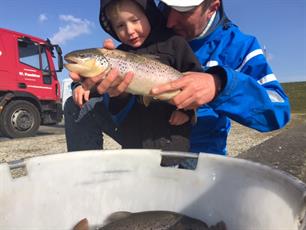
(252, 96)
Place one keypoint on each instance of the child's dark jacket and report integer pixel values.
(171, 50)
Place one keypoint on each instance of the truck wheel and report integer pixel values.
(19, 119)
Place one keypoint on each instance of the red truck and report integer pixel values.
(29, 87)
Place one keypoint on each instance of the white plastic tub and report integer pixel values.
(62, 189)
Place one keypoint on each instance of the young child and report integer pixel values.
(132, 28)
(139, 25)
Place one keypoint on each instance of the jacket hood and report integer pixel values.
(155, 17)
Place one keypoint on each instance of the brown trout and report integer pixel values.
(157, 220)
(148, 71)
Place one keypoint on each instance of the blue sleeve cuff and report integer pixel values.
(229, 83)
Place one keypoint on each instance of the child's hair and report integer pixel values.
(113, 8)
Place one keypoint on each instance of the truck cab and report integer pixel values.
(29, 87)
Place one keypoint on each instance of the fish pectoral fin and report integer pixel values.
(146, 100)
(116, 216)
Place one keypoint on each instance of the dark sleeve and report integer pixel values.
(74, 84)
(184, 58)
(123, 47)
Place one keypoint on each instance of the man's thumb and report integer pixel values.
(109, 44)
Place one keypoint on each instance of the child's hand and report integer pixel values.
(178, 118)
(80, 95)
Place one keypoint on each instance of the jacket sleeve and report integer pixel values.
(251, 95)
(74, 84)
(184, 58)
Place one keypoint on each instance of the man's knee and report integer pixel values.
(70, 106)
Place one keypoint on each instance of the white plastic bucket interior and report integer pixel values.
(60, 190)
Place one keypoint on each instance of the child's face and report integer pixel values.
(130, 24)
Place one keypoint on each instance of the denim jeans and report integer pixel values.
(143, 127)
(83, 128)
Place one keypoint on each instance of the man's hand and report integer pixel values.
(105, 83)
(113, 84)
(109, 44)
(196, 89)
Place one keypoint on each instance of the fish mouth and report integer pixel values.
(72, 64)
(71, 60)
(77, 65)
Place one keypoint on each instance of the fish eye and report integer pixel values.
(82, 56)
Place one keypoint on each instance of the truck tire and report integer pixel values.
(19, 118)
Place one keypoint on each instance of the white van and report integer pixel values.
(66, 90)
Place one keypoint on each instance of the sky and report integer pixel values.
(279, 25)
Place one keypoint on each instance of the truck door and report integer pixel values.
(34, 70)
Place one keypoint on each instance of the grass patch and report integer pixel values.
(296, 91)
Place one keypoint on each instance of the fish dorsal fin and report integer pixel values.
(151, 56)
(82, 225)
(116, 216)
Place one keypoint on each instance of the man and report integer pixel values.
(237, 84)
(249, 92)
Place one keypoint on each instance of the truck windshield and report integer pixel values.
(29, 54)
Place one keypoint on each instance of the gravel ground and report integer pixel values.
(240, 139)
(284, 149)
